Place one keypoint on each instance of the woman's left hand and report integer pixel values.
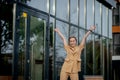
(92, 27)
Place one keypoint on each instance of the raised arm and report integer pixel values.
(86, 35)
(61, 35)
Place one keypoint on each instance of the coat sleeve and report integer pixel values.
(81, 47)
(66, 47)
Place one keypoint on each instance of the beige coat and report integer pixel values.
(72, 63)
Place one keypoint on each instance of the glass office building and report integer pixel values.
(31, 50)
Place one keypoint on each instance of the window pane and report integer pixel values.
(52, 7)
(90, 15)
(82, 13)
(116, 50)
(81, 34)
(38, 4)
(97, 17)
(116, 44)
(116, 38)
(89, 55)
(73, 11)
(97, 56)
(6, 48)
(104, 21)
(110, 24)
(105, 57)
(74, 31)
(62, 9)
(116, 15)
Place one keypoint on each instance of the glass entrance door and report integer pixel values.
(33, 46)
(37, 47)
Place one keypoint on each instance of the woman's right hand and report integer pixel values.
(56, 30)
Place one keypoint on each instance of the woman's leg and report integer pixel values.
(64, 75)
(74, 76)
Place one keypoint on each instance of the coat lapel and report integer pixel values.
(73, 50)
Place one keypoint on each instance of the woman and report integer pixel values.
(72, 63)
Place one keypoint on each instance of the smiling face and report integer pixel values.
(72, 41)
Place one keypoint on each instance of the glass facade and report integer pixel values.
(38, 52)
(93, 57)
